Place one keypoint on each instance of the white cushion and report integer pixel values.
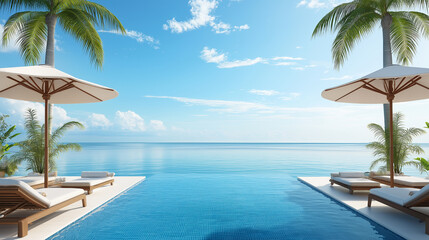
(357, 182)
(26, 188)
(352, 174)
(419, 194)
(94, 174)
(33, 174)
(34, 180)
(59, 195)
(406, 180)
(84, 182)
(397, 195)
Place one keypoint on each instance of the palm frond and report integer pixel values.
(33, 37)
(80, 26)
(351, 29)
(404, 35)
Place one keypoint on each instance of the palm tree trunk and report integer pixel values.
(386, 22)
(51, 21)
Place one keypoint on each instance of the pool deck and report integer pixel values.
(400, 223)
(49, 225)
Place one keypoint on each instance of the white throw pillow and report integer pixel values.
(352, 174)
(94, 174)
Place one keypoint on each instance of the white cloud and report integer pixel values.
(130, 121)
(298, 68)
(201, 11)
(264, 92)
(99, 120)
(157, 125)
(288, 58)
(19, 108)
(219, 105)
(12, 46)
(138, 36)
(320, 3)
(345, 77)
(225, 106)
(212, 56)
(285, 63)
(291, 96)
(240, 63)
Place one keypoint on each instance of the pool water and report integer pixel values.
(221, 191)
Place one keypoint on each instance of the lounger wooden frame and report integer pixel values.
(13, 198)
(395, 184)
(423, 202)
(351, 188)
(89, 189)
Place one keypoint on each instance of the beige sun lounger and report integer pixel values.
(403, 199)
(402, 181)
(16, 195)
(36, 180)
(353, 181)
(90, 181)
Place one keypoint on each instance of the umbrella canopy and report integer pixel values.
(27, 83)
(46, 84)
(387, 85)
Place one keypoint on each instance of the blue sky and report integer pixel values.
(218, 71)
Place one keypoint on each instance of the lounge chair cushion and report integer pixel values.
(34, 180)
(397, 195)
(27, 189)
(357, 182)
(94, 174)
(85, 182)
(406, 180)
(352, 174)
(59, 195)
(419, 194)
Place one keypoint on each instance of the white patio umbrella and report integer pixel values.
(46, 84)
(387, 85)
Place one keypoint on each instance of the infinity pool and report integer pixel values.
(221, 191)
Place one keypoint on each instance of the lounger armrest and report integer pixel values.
(111, 174)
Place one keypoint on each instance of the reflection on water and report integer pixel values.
(221, 191)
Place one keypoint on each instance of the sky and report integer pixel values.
(217, 71)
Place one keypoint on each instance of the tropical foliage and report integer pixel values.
(32, 150)
(36, 29)
(424, 164)
(353, 20)
(403, 145)
(6, 136)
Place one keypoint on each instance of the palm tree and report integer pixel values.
(36, 29)
(32, 150)
(401, 29)
(402, 140)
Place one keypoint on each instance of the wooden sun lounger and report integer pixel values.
(352, 188)
(420, 201)
(13, 198)
(353, 181)
(396, 184)
(90, 181)
(90, 188)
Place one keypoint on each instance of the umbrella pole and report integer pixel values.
(390, 98)
(46, 96)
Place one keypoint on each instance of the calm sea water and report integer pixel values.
(221, 191)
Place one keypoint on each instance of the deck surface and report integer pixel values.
(49, 225)
(400, 223)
